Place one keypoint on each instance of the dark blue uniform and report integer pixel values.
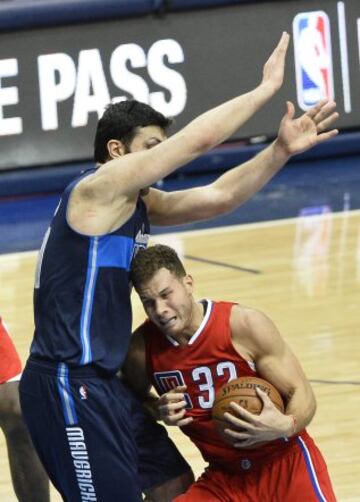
(86, 426)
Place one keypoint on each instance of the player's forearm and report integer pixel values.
(239, 184)
(301, 407)
(218, 124)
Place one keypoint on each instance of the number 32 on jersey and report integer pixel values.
(202, 377)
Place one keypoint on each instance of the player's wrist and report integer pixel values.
(281, 151)
(268, 88)
(291, 426)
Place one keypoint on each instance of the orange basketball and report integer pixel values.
(243, 392)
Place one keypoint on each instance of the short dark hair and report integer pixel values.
(148, 261)
(120, 121)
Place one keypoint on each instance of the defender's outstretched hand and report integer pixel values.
(301, 134)
(273, 71)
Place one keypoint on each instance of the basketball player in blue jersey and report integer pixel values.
(80, 415)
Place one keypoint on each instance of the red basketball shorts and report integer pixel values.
(297, 475)
(10, 364)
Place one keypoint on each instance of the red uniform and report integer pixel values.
(10, 364)
(280, 471)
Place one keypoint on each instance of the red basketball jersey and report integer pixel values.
(10, 364)
(204, 365)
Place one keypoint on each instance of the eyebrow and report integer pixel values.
(153, 139)
(165, 290)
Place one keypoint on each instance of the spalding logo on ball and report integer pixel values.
(242, 391)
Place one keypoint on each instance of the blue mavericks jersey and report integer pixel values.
(82, 291)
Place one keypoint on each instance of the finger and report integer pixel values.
(263, 396)
(284, 42)
(174, 418)
(325, 111)
(241, 436)
(326, 135)
(237, 422)
(240, 411)
(185, 421)
(315, 109)
(171, 398)
(290, 110)
(179, 388)
(326, 123)
(169, 408)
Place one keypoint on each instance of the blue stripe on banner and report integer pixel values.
(92, 272)
(311, 470)
(115, 251)
(65, 395)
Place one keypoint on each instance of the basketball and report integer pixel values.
(243, 392)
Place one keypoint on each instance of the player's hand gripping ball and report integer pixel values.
(243, 392)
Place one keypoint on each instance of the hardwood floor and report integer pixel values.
(304, 273)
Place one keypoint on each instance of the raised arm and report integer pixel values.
(256, 337)
(128, 174)
(237, 185)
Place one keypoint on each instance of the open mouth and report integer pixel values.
(166, 323)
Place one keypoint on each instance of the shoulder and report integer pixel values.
(242, 317)
(93, 186)
(253, 328)
(249, 317)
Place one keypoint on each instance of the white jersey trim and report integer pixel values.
(203, 322)
(15, 378)
(200, 328)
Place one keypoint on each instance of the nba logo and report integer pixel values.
(83, 392)
(313, 60)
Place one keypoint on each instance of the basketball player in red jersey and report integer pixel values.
(28, 476)
(188, 350)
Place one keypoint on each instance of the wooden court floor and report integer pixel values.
(304, 273)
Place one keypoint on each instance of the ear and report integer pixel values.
(189, 283)
(115, 148)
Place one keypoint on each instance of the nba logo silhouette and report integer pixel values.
(313, 60)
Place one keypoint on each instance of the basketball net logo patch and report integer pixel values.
(168, 380)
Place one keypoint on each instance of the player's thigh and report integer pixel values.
(311, 480)
(295, 476)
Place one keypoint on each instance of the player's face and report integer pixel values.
(146, 138)
(169, 303)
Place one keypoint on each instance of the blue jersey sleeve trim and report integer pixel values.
(115, 251)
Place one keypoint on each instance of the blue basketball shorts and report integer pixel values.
(92, 436)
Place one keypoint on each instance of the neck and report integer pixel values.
(197, 316)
